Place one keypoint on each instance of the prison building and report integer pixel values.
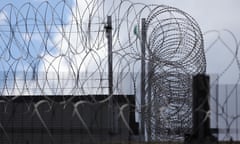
(67, 119)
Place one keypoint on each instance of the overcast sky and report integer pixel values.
(211, 15)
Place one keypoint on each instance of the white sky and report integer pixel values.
(210, 14)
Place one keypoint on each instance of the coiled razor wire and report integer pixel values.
(176, 53)
(225, 84)
(61, 50)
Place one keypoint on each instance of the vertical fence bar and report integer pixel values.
(143, 74)
(237, 113)
(110, 73)
(150, 73)
(110, 65)
(217, 106)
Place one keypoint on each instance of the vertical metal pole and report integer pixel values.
(110, 74)
(217, 103)
(143, 74)
(237, 113)
(110, 65)
(149, 99)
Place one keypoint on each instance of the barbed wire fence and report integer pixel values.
(224, 85)
(61, 50)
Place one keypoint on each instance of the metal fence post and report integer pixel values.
(108, 28)
(143, 74)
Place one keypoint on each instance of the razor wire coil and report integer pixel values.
(61, 50)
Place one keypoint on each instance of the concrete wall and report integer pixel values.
(57, 123)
